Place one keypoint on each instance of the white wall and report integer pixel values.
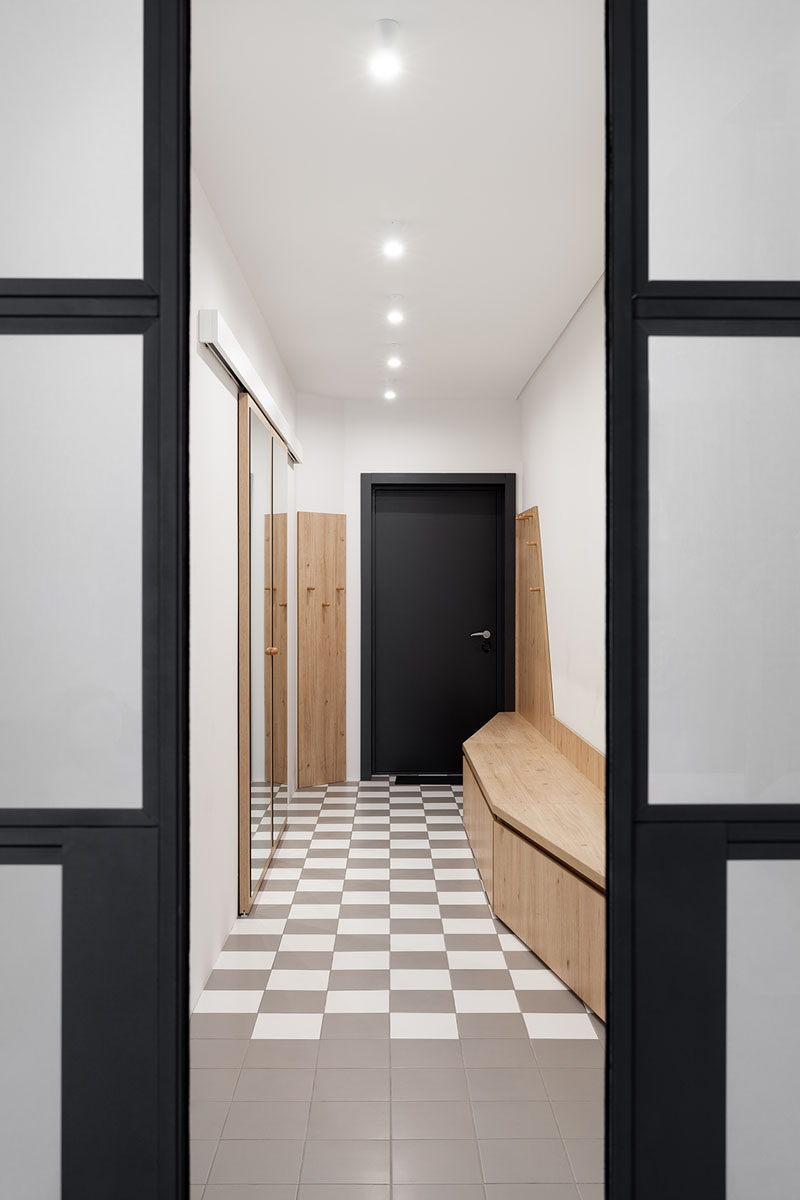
(217, 282)
(562, 410)
(341, 440)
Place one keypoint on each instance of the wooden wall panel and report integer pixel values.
(280, 639)
(534, 675)
(529, 888)
(479, 824)
(321, 647)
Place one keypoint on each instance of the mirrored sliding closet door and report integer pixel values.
(263, 495)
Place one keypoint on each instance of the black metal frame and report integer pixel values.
(126, 994)
(666, 863)
(506, 487)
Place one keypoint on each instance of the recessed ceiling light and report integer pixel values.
(393, 247)
(385, 62)
(395, 316)
(394, 362)
(389, 394)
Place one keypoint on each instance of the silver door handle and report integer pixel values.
(484, 633)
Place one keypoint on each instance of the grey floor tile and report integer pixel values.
(213, 1083)
(237, 981)
(292, 1002)
(196, 1191)
(580, 1118)
(497, 1052)
(429, 1083)
(269, 1052)
(440, 1119)
(364, 1119)
(524, 1160)
(206, 1118)
(591, 1191)
(569, 1052)
(586, 1157)
(548, 1000)
(351, 1083)
(257, 1162)
(245, 1191)
(346, 1161)
(201, 1156)
(426, 1052)
(275, 1083)
(270, 1119)
(406, 1000)
(491, 1025)
(574, 1083)
(355, 1025)
(505, 1083)
(218, 1052)
(343, 1191)
(531, 1191)
(441, 1162)
(222, 1025)
(514, 1119)
(435, 1191)
(349, 1053)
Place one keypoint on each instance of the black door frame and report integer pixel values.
(667, 864)
(125, 1023)
(505, 485)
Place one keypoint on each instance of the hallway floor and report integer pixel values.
(372, 1032)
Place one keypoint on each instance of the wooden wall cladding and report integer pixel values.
(534, 676)
(280, 638)
(529, 888)
(321, 645)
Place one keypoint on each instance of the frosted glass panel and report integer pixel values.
(30, 1031)
(71, 94)
(763, 1032)
(71, 550)
(724, 665)
(724, 132)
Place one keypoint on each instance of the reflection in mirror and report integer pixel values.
(280, 600)
(261, 828)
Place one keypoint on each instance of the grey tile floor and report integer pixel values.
(372, 1032)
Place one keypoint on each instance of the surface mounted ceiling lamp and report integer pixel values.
(385, 62)
(394, 362)
(394, 247)
(390, 394)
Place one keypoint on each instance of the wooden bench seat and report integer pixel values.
(537, 829)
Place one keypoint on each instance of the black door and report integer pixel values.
(437, 591)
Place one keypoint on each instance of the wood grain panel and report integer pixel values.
(321, 648)
(479, 824)
(535, 789)
(280, 639)
(534, 689)
(558, 915)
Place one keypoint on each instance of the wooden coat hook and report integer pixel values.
(311, 589)
(326, 603)
(531, 543)
(534, 589)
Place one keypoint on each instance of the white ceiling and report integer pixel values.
(489, 149)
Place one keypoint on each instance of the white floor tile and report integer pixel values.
(380, 925)
(367, 873)
(474, 925)
(423, 1025)
(268, 898)
(476, 897)
(409, 844)
(509, 942)
(417, 941)
(330, 844)
(413, 885)
(361, 960)
(422, 981)
(245, 960)
(320, 885)
(307, 1026)
(476, 960)
(307, 941)
(230, 1002)
(298, 981)
(411, 864)
(258, 926)
(559, 1025)
(357, 1002)
(455, 873)
(438, 852)
(537, 981)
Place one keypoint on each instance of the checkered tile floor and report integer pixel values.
(371, 951)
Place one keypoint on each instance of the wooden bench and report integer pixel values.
(536, 825)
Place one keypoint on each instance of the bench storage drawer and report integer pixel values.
(552, 910)
(478, 822)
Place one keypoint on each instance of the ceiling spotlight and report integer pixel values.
(389, 395)
(394, 362)
(385, 62)
(393, 246)
(395, 316)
